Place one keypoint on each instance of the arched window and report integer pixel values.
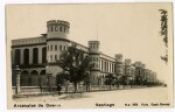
(35, 56)
(26, 56)
(34, 72)
(44, 55)
(43, 78)
(17, 57)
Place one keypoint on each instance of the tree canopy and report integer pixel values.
(76, 62)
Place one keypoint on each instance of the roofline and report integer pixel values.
(107, 55)
(29, 38)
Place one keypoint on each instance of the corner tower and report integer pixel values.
(95, 60)
(119, 65)
(57, 42)
(94, 46)
(57, 29)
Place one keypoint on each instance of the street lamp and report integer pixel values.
(17, 71)
(49, 83)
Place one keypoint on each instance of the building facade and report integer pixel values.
(37, 56)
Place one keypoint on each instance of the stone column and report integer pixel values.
(40, 55)
(30, 55)
(22, 56)
(111, 67)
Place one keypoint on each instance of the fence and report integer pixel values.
(32, 90)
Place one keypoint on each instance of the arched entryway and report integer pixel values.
(24, 80)
(34, 78)
(43, 77)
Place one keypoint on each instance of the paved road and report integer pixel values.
(105, 99)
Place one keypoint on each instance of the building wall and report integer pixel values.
(55, 49)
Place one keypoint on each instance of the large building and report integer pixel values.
(37, 56)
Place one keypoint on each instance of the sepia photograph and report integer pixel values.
(108, 55)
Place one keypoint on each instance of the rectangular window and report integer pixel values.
(60, 28)
(64, 29)
(51, 48)
(64, 47)
(55, 47)
(51, 29)
(60, 47)
(104, 66)
(50, 58)
(55, 57)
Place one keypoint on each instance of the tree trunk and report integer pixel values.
(76, 87)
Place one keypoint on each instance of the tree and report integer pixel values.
(127, 67)
(60, 79)
(110, 78)
(139, 69)
(118, 68)
(76, 62)
(164, 31)
(127, 71)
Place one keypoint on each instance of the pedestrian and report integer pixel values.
(59, 89)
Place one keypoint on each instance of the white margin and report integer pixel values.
(3, 89)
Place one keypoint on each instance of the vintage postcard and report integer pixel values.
(110, 55)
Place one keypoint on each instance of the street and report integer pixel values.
(142, 97)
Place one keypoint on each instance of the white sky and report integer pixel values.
(130, 29)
